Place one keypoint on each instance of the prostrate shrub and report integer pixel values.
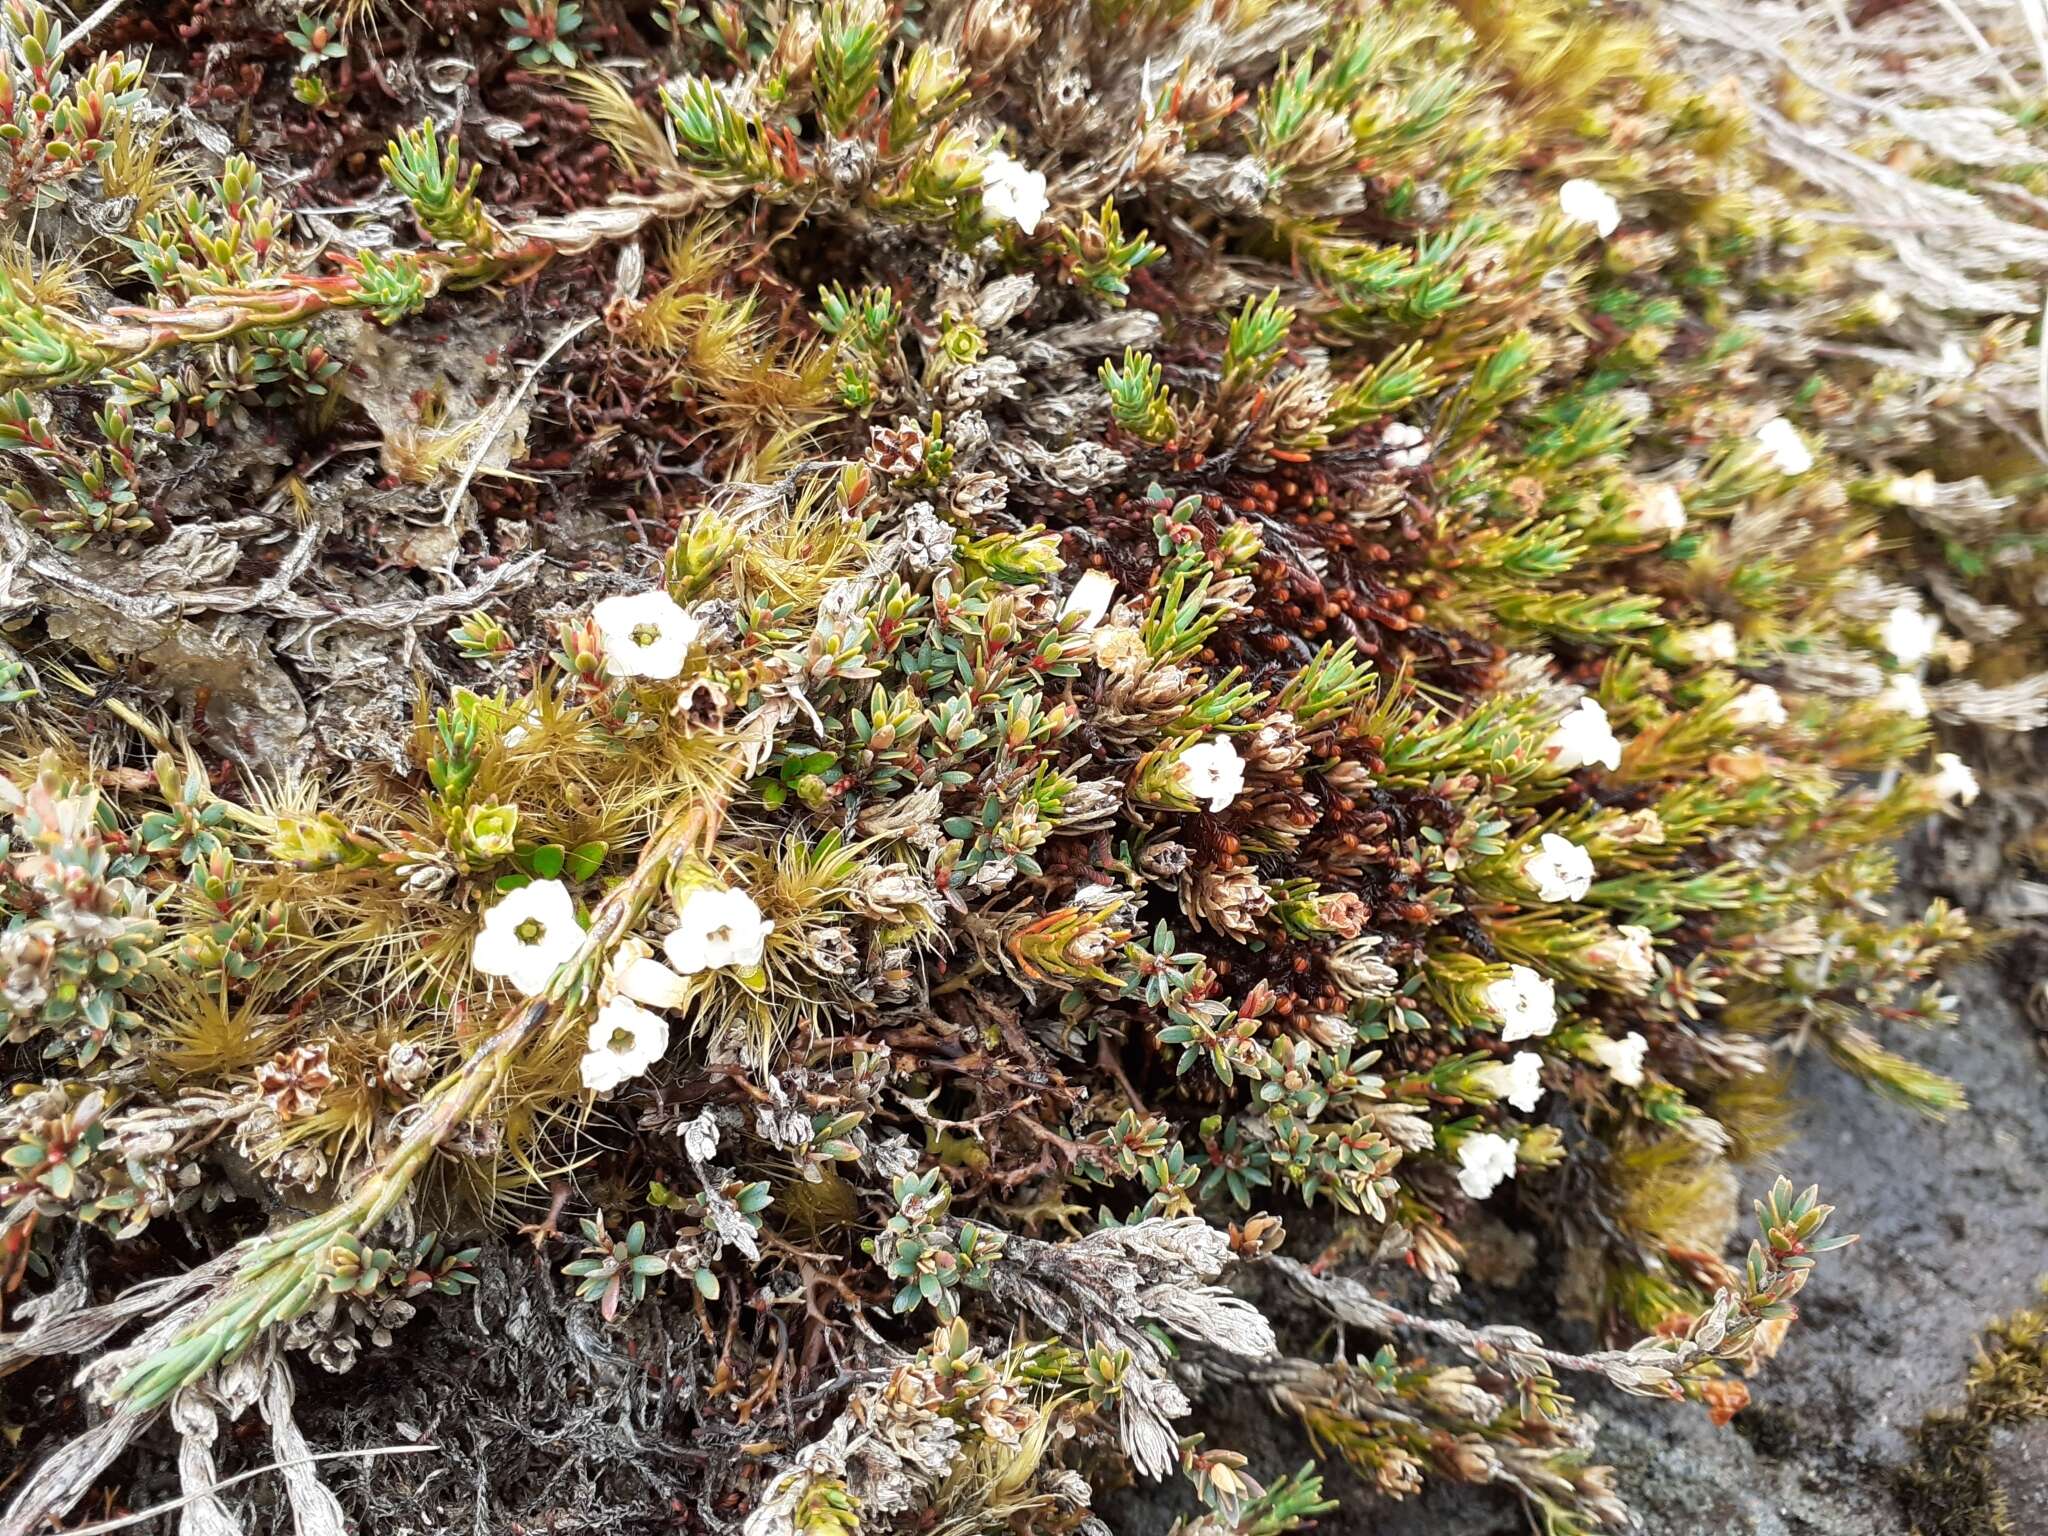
(1190, 617)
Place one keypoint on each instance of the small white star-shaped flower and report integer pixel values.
(1524, 1002)
(1010, 191)
(1559, 869)
(1783, 446)
(1587, 202)
(1622, 1058)
(1758, 704)
(1910, 634)
(1584, 737)
(1903, 695)
(1484, 1161)
(1212, 771)
(1953, 783)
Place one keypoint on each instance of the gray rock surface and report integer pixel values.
(2019, 1460)
(1954, 1218)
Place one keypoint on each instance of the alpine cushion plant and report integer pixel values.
(1179, 623)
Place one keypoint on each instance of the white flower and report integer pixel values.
(1519, 1082)
(625, 1040)
(1090, 599)
(1587, 202)
(520, 729)
(1709, 643)
(1212, 771)
(527, 935)
(1622, 1058)
(1559, 869)
(1627, 958)
(635, 973)
(1910, 633)
(1405, 446)
(1953, 783)
(1584, 737)
(1903, 695)
(1009, 191)
(1525, 1003)
(716, 930)
(1484, 1160)
(1883, 306)
(1919, 492)
(1525, 1081)
(645, 635)
(1758, 704)
(1662, 509)
(1783, 446)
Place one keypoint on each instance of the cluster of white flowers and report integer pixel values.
(1758, 704)
(533, 931)
(1012, 192)
(1524, 1002)
(1559, 869)
(1212, 771)
(1405, 446)
(1587, 202)
(645, 635)
(1584, 737)
(1484, 1160)
(1783, 446)
(1622, 1058)
(715, 930)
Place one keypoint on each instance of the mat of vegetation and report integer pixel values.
(883, 767)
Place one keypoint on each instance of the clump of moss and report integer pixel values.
(1951, 1488)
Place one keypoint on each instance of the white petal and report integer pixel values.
(647, 980)
(1090, 599)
